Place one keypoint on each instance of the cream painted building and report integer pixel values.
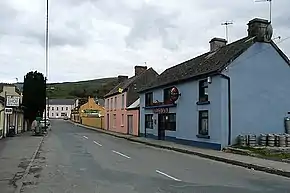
(15, 119)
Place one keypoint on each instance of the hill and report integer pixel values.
(80, 89)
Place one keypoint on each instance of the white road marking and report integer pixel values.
(85, 137)
(121, 154)
(164, 174)
(98, 143)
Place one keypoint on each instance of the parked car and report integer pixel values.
(65, 118)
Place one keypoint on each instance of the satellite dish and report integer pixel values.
(269, 32)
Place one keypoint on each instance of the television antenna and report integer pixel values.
(226, 24)
(270, 7)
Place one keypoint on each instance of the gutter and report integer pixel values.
(229, 108)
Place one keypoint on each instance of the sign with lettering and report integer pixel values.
(12, 101)
(8, 111)
(161, 110)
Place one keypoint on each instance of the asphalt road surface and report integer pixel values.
(73, 159)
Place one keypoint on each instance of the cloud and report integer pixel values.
(102, 38)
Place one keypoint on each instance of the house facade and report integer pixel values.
(234, 89)
(59, 108)
(117, 117)
(91, 113)
(11, 99)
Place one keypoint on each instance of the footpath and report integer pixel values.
(16, 155)
(269, 166)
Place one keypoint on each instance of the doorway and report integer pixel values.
(130, 124)
(161, 126)
(108, 121)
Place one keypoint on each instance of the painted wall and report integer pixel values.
(94, 122)
(187, 114)
(91, 104)
(260, 80)
(116, 114)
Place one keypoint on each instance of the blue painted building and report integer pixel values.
(237, 88)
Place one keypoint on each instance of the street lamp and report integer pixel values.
(46, 63)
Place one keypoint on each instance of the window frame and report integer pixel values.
(166, 95)
(203, 91)
(123, 101)
(201, 117)
(171, 126)
(149, 122)
(148, 95)
(115, 103)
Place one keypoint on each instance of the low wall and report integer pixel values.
(94, 122)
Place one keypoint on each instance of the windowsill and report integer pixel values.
(203, 136)
(203, 102)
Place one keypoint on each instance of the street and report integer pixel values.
(73, 159)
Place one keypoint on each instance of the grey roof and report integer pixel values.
(61, 101)
(125, 84)
(205, 64)
(101, 102)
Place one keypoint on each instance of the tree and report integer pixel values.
(33, 95)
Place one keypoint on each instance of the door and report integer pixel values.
(108, 121)
(130, 124)
(161, 126)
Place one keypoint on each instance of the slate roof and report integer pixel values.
(125, 84)
(205, 64)
(61, 101)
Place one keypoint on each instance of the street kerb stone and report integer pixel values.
(200, 154)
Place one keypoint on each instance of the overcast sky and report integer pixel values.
(103, 38)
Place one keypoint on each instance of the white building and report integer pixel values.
(60, 108)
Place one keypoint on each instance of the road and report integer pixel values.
(73, 159)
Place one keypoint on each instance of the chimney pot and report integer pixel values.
(139, 70)
(216, 43)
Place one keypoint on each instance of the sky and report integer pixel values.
(91, 39)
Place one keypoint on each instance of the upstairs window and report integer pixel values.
(123, 101)
(203, 91)
(167, 95)
(115, 103)
(149, 99)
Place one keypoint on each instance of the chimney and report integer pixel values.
(139, 70)
(122, 78)
(216, 43)
(260, 28)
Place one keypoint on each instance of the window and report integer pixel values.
(62, 108)
(52, 114)
(166, 95)
(57, 114)
(115, 103)
(114, 119)
(108, 104)
(123, 101)
(203, 90)
(122, 121)
(171, 121)
(52, 108)
(66, 108)
(149, 121)
(148, 99)
(203, 123)
(111, 103)
(48, 108)
(57, 108)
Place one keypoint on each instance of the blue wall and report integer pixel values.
(260, 87)
(187, 114)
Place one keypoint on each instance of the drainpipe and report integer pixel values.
(229, 108)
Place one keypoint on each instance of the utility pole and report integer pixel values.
(226, 24)
(270, 7)
(46, 63)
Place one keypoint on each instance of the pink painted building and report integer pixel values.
(122, 102)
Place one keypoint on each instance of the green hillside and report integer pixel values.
(80, 89)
